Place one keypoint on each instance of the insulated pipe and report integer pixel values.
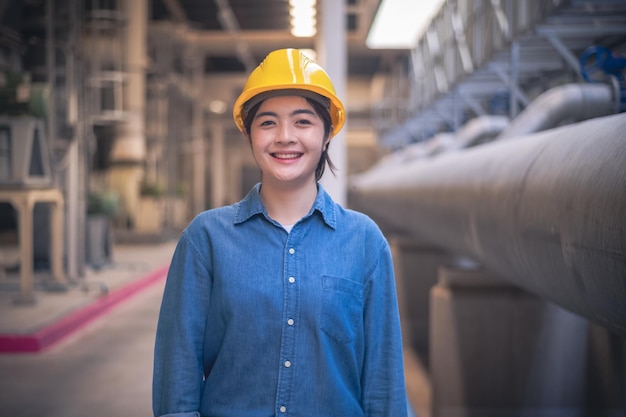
(479, 130)
(546, 211)
(476, 131)
(571, 102)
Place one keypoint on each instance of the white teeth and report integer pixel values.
(286, 155)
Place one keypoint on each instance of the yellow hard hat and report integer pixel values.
(289, 69)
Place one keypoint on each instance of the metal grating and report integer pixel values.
(544, 47)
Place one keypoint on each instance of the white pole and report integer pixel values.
(332, 55)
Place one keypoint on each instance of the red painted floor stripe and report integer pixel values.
(49, 335)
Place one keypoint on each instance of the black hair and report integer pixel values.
(323, 113)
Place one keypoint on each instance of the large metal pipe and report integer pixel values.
(546, 211)
(475, 132)
(565, 103)
(480, 130)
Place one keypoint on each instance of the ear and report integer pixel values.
(327, 141)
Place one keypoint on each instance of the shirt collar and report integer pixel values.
(252, 205)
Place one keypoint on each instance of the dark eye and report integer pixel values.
(266, 122)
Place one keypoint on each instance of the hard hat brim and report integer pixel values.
(256, 95)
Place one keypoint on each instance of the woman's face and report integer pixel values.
(287, 139)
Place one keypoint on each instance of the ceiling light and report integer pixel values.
(303, 20)
(302, 3)
(217, 106)
(303, 32)
(302, 13)
(399, 24)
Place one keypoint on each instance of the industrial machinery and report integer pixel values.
(25, 180)
(532, 222)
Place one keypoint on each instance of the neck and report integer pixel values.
(288, 205)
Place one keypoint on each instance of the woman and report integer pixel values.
(283, 304)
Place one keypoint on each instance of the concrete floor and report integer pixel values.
(105, 367)
(105, 370)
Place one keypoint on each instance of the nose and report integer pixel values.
(285, 134)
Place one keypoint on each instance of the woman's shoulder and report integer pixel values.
(218, 217)
(358, 221)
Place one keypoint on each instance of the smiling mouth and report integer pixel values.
(291, 155)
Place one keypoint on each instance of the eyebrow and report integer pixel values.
(293, 113)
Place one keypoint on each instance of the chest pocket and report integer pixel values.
(342, 308)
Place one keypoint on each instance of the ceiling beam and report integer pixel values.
(229, 21)
(176, 11)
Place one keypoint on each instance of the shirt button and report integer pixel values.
(292, 280)
(290, 322)
(287, 364)
(292, 251)
(283, 409)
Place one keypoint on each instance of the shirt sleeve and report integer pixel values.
(384, 393)
(178, 373)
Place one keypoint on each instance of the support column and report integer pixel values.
(74, 243)
(129, 150)
(218, 156)
(56, 244)
(235, 175)
(496, 350)
(76, 181)
(126, 173)
(415, 268)
(332, 55)
(416, 273)
(199, 149)
(27, 282)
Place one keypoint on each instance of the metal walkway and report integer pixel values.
(487, 57)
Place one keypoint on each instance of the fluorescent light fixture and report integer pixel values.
(399, 24)
(303, 29)
(303, 20)
(302, 3)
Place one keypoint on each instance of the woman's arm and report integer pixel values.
(178, 371)
(384, 393)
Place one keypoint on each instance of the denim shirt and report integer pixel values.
(258, 322)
